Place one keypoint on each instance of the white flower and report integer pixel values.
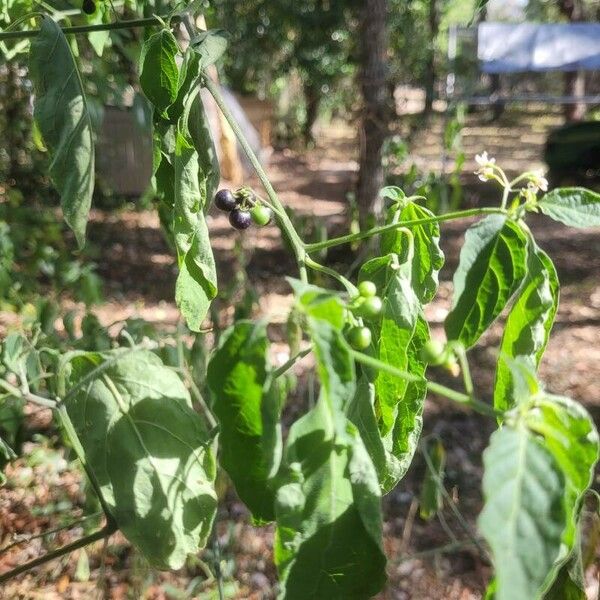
(483, 160)
(538, 181)
(486, 166)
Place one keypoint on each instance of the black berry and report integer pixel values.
(225, 200)
(88, 7)
(240, 219)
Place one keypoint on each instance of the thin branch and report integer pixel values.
(286, 366)
(107, 530)
(79, 29)
(354, 237)
(27, 538)
(27, 396)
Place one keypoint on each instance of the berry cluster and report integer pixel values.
(243, 207)
(366, 306)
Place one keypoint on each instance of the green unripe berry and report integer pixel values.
(369, 308)
(434, 353)
(360, 338)
(261, 215)
(367, 289)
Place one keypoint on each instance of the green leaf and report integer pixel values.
(64, 121)
(248, 413)
(409, 415)
(197, 281)
(6, 455)
(577, 207)
(148, 449)
(159, 75)
(324, 313)
(528, 324)
(210, 46)
(207, 155)
(428, 257)
(401, 310)
(523, 517)
(570, 436)
(397, 407)
(328, 538)
(492, 266)
(430, 501)
(570, 579)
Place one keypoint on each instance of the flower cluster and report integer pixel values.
(486, 166)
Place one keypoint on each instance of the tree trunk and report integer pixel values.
(574, 81)
(376, 104)
(430, 71)
(312, 98)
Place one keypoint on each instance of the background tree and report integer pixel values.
(376, 105)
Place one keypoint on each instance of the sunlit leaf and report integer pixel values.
(428, 257)
(523, 518)
(576, 207)
(328, 539)
(149, 451)
(62, 116)
(528, 324)
(492, 266)
(159, 74)
(248, 413)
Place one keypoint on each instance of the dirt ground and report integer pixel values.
(427, 560)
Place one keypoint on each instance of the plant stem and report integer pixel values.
(27, 538)
(281, 216)
(286, 366)
(450, 501)
(107, 530)
(27, 396)
(350, 288)
(131, 24)
(432, 386)
(353, 237)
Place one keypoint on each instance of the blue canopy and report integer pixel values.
(514, 48)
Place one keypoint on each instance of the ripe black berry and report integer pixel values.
(240, 219)
(225, 200)
(88, 7)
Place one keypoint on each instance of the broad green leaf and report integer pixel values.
(401, 310)
(248, 414)
(149, 450)
(207, 155)
(328, 538)
(362, 413)
(324, 314)
(570, 436)
(398, 406)
(577, 207)
(159, 74)
(430, 501)
(492, 266)
(528, 324)
(197, 281)
(64, 121)
(428, 257)
(210, 46)
(189, 74)
(523, 518)
(377, 270)
(409, 414)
